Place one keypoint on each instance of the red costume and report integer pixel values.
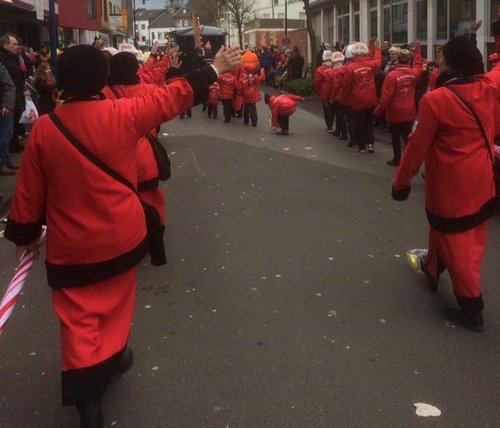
(249, 86)
(283, 105)
(213, 93)
(398, 92)
(358, 84)
(323, 82)
(227, 83)
(459, 186)
(96, 226)
(494, 75)
(336, 75)
(433, 79)
(147, 175)
(154, 69)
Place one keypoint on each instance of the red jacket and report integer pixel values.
(494, 75)
(358, 84)
(96, 225)
(323, 82)
(227, 83)
(398, 92)
(154, 69)
(336, 89)
(249, 86)
(283, 105)
(458, 170)
(213, 93)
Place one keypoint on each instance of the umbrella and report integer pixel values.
(16, 284)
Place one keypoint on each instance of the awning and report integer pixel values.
(207, 31)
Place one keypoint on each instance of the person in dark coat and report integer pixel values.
(10, 60)
(7, 102)
(45, 85)
(295, 65)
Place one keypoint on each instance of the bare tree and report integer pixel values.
(209, 11)
(312, 34)
(242, 12)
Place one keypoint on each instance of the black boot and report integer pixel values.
(90, 414)
(469, 315)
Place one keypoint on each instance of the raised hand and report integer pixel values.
(226, 59)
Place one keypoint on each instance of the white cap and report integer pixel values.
(337, 57)
(359, 49)
(327, 56)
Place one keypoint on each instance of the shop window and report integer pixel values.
(355, 4)
(396, 21)
(373, 4)
(455, 18)
(356, 26)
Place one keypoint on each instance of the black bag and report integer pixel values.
(161, 155)
(495, 165)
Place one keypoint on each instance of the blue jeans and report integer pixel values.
(6, 132)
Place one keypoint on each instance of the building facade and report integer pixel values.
(143, 19)
(399, 22)
(275, 9)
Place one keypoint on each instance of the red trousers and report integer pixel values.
(460, 253)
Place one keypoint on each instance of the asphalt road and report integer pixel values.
(287, 300)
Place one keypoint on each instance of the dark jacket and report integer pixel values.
(7, 90)
(11, 63)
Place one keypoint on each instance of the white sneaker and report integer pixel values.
(370, 148)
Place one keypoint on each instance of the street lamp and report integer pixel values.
(134, 30)
(286, 17)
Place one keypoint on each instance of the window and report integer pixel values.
(303, 16)
(355, 5)
(143, 38)
(455, 18)
(91, 9)
(373, 23)
(266, 15)
(110, 7)
(494, 12)
(276, 2)
(281, 16)
(143, 26)
(396, 21)
(373, 18)
(422, 19)
(343, 23)
(356, 26)
(327, 35)
(152, 35)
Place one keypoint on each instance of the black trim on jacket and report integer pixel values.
(462, 224)
(199, 80)
(89, 383)
(400, 194)
(67, 276)
(148, 184)
(23, 233)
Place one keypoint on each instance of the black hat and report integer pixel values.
(123, 69)
(82, 71)
(266, 98)
(463, 56)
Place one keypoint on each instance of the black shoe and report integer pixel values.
(336, 134)
(227, 120)
(351, 144)
(246, 123)
(393, 162)
(472, 320)
(90, 414)
(254, 124)
(282, 132)
(344, 137)
(126, 361)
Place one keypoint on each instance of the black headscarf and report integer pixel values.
(463, 58)
(124, 67)
(82, 71)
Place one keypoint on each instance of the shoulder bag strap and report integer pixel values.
(90, 156)
(474, 114)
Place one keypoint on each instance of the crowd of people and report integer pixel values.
(100, 229)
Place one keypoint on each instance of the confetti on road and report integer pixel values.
(426, 410)
(319, 294)
(286, 149)
(147, 307)
(330, 258)
(155, 368)
(397, 256)
(32, 354)
(263, 277)
(366, 281)
(370, 255)
(164, 133)
(278, 275)
(332, 313)
(347, 347)
(254, 288)
(383, 321)
(308, 148)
